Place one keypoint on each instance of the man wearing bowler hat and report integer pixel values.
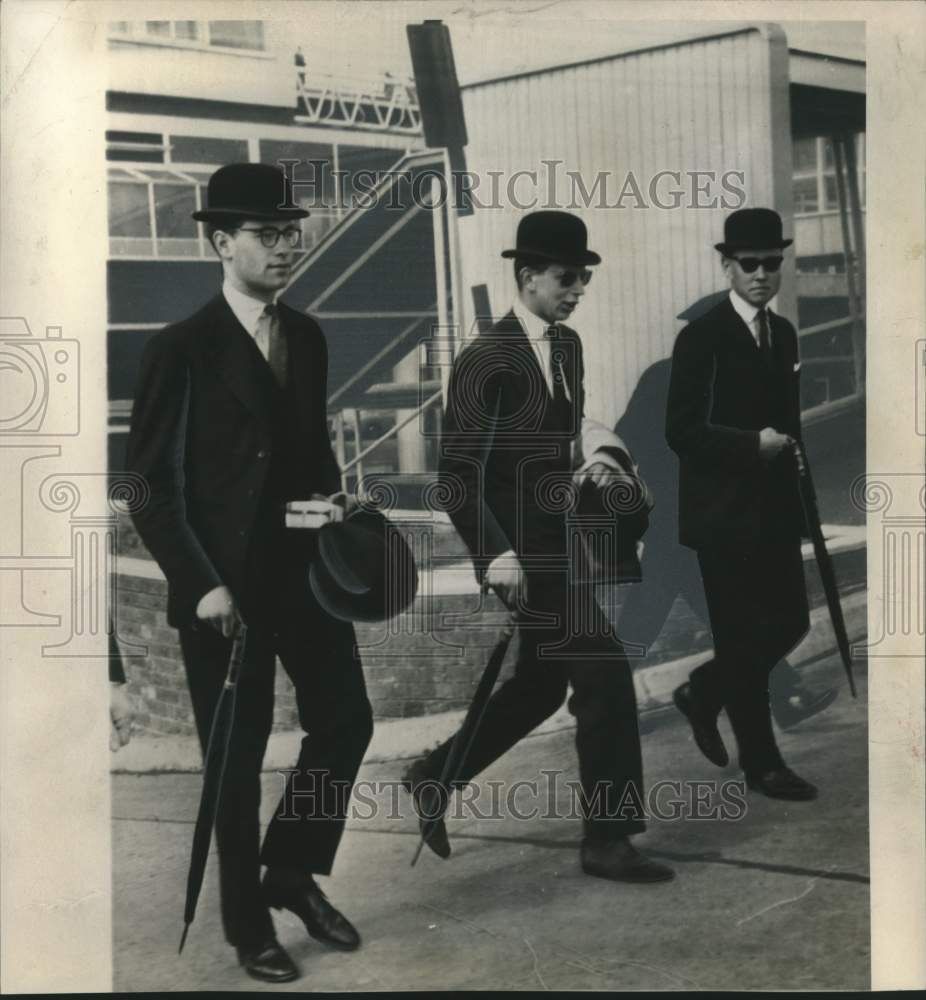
(229, 428)
(512, 429)
(733, 412)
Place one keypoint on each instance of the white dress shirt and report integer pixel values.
(536, 330)
(748, 313)
(248, 312)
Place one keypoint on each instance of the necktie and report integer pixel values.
(558, 371)
(272, 343)
(765, 337)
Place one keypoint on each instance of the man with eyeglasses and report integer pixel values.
(513, 425)
(229, 427)
(733, 413)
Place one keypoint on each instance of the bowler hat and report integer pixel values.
(249, 191)
(752, 229)
(365, 570)
(554, 236)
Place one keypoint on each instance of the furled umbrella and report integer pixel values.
(824, 562)
(213, 773)
(463, 740)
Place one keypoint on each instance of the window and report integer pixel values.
(144, 147)
(201, 149)
(237, 34)
(150, 212)
(814, 184)
(243, 35)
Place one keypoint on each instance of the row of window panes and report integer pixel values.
(247, 35)
(814, 184)
(177, 234)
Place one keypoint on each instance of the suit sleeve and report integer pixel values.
(156, 451)
(689, 430)
(330, 471)
(467, 434)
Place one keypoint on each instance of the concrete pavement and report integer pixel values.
(775, 898)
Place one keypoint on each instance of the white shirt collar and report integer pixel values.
(536, 329)
(246, 308)
(534, 326)
(746, 310)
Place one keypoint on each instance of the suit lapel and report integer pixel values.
(302, 369)
(511, 326)
(239, 362)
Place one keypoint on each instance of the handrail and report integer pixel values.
(391, 432)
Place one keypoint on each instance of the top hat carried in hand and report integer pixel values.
(553, 236)
(249, 191)
(365, 570)
(752, 229)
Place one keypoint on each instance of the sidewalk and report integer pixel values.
(775, 898)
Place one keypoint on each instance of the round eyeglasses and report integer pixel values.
(270, 236)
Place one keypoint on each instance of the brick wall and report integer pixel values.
(427, 660)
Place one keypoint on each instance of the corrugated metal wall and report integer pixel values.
(703, 105)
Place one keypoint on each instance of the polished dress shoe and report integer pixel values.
(620, 861)
(268, 962)
(310, 904)
(781, 783)
(703, 724)
(426, 796)
(800, 705)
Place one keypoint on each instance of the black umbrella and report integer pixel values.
(213, 773)
(824, 562)
(462, 742)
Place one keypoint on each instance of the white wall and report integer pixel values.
(707, 105)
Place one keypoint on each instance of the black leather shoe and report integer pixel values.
(801, 705)
(268, 962)
(310, 904)
(703, 725)
(620, 861)
(782, 783)
(426, 796)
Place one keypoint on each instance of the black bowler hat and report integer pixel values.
(248, 191)
(752, 229)
(365, 571)
(554, 236)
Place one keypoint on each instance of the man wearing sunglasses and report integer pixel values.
(512, 429)
(733, 412)
(228, 428)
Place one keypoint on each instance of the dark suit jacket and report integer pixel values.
(720, 397)
(505, 453)
(203, 435)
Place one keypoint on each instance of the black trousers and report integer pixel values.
(757, 602)
(319, 655)
(576, 646)
(671, 571)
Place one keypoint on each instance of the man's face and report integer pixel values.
(554, 293)
(759, 286)
(253, 268)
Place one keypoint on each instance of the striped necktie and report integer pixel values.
(765, 337)
(272, 343)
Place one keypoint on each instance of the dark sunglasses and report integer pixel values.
(751, 264)
(568, 278)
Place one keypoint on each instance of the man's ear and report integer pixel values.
(221, 242)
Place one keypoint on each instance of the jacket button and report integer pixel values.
(241, 532)
(262, 453)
